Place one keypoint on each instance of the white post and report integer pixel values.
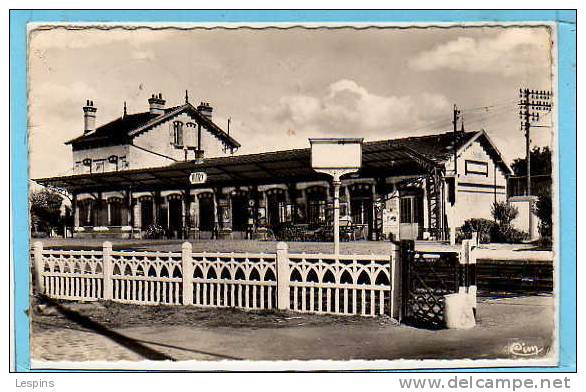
(337, 183)
(464, 257)
(396, 287)
(39, 267)
(107, 261)
(472, 288)
(282, 276)
(187, 269)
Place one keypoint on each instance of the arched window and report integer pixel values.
(178, 133)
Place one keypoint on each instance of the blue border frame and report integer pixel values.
(566, 20)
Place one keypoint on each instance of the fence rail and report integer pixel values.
(311, 283)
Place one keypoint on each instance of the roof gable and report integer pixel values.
(487, 143)
(123, 129)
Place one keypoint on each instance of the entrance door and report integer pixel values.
(206, 213)
(146, 213)
(411, 215)
(239, 212)
(175, 217)
(276, 207)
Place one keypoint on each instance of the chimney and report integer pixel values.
(89, 117)
(205, 109)
(157, 104)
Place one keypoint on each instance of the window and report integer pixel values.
(178, 134)
(477, 167)
(361, 211)
(406, 210)
(411, 209)
(85, 213)
(316, 212)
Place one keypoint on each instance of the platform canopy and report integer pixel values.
(380, 159)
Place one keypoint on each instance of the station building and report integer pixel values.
(144, 170)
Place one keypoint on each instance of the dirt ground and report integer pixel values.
(256, 246)
(110, 331)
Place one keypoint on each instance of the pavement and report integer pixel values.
(73, 332)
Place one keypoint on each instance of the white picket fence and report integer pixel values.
(314, 283)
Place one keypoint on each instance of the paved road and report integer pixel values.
(501, 321)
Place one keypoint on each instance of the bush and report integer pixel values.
(481, 226)
(154, 231)
(544, 213)
(504, 213)
(507, 234)
(490, 231)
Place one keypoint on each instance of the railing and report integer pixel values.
(146, 277)
(357, 284)
(71, 274)
(234, 280)
(317, 283)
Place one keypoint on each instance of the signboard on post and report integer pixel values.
(198, 178)
(336, 157)
(336, 154)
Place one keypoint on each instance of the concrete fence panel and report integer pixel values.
(367, 285)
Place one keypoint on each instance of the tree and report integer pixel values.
(45, 211)
(540, 162)
(543, 210)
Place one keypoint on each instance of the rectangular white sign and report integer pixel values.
(336, 155)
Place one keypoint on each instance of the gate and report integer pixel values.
(427, 277)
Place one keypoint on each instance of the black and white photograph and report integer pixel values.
(293, 196)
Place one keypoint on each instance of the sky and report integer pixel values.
(282, 86)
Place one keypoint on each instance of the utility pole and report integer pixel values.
(455, 123)
(531, 102)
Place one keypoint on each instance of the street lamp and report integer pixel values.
(336, 157)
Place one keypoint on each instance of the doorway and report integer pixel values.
(239, 211)
(361, 208)
(175, 217)
(146, 212)
(206, 211)
(411, 214)
(276, 205)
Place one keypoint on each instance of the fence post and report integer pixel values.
(187, 275)
(282, 276)
(469, 259)
(472, 288)
(463, 266)
(39, 267)
(407, 252)
(396, 282)
(107, 261)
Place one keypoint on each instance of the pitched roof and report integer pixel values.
(123, 129)
(385, 157)
(437, 147)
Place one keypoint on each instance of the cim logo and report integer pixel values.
(198, 178)
(526, 347)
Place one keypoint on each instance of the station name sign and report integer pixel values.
(198, 178)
